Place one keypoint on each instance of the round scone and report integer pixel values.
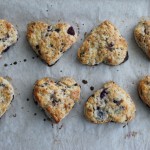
(50, 41)
(6, 95)
(104, 44)
(56, 98)
(110, 104)
(8, 35)
(144, 90)
(142, 36)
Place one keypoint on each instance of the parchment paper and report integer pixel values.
(24, 126)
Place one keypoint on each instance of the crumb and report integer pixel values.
(60, 126)
(131, 134)
(84, 82)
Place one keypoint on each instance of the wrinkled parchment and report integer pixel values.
(24, 126)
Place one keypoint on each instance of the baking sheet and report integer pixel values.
(24, 126)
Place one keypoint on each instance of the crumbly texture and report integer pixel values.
(104, 44)
(6, 95)
(144, 90)
(142, 36)
(56, 98)
(50, 41)
(8, 35)
(110, 104)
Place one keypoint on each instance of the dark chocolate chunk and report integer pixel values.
(24, 60)
(117, 102)
(71, 31)
(103, 93)
(37, 46)
(49, 28)
(57, 30)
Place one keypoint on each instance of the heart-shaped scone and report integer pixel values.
(104, 44)
(110, 104)
(142, 36)
(144, 90)
(8, 35)
(50, 41)
(6, 95)
(56, 98)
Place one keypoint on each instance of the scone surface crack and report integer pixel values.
(50, 41)
(104, 44)
(110, 104)
(56, 98)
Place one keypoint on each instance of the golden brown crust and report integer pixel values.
(110, 104)
(8, 35)
(104, 44)
(56, 98)
(6, 95)
(142, 36)
(50, 41)
(144, 90)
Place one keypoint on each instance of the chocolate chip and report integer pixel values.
(57, 30)
(84, 82)
(75, 84)
(117, 102)
(7, 36)
(103, 93)
(71, 31)
(24, 60)
(44, 119)
(49, 28)
(27, 99)
(110, 46)
(37, 46)
(91, 88)
(34, 114)
(98, 107)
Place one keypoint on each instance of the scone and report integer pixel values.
(56, 98)
(50, 41)
(6, 95)
(104, 44)
(110, 104)
(8, 35)
(144, 90)
(142, 36)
